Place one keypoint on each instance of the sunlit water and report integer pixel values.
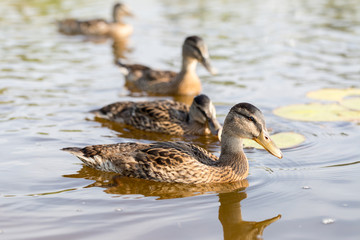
(269, 53)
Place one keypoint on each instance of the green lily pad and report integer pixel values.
(333, 94)
(351, 103)
(318, 112)
(282, 140)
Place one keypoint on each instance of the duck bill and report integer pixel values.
(128, 13)
(214, 127)
(267, 222)
(265, 141)
(206, 63)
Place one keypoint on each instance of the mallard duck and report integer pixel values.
(184, 162)
(165, 116)
(99, 27)
(186, 82)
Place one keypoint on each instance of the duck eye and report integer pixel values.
(202, 111)
(251, 119)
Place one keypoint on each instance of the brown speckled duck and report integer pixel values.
(186, 82)
(183, 162)
(165, 116)
(99, 27)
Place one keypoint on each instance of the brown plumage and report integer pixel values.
(183, 162)
(99, 27)
(165, 116)
(186, 82)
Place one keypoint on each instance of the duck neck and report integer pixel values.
(117, 18)
(188, 65)
(187, 82)
(232, 154)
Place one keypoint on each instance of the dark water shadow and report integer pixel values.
(230, 196)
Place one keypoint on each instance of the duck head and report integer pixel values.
(247, 121)
(195, 47)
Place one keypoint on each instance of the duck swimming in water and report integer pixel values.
(184, 162)
(165, 116)
(99, 27)
(186, 82)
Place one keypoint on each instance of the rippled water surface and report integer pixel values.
(269, 53)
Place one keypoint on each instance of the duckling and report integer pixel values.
(184, 162)
(186, 82)
(165, 116)
(99, 27)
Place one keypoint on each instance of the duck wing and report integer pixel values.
(90, 27)
(144, 78)
(94, 27)
(161, 76)
(158, 116)
(69, 26)
(163, 161)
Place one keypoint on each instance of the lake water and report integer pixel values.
(269, 53)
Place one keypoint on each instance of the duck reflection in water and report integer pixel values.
(231, 219)
(230, 196)
(120, 47)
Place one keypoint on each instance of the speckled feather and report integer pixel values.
(164, 116)
(90, 27)
(163, 162)
(149, 74)
(143, 78)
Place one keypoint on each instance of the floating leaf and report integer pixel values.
(317, 112)
(333, 94)
(351, 103)
(282, 140)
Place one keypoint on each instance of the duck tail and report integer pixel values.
(97, 112)
(124, 69)
(93, 162)
(72, 150)
(100, 113)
